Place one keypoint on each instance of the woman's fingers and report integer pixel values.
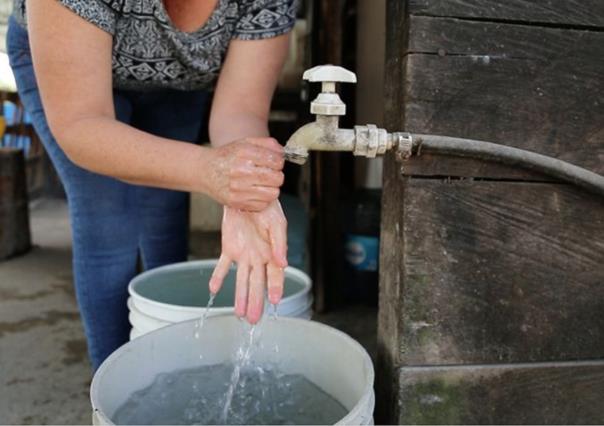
(257, 242)
(235, 168)
(247, 176)
(268, 177)
(277, 231)
(255, 199)
(241, 289)
(251, 191)
(264, 194)
(265, 154)
(255, 306)
(268, 143)
(250, 206)
(275, 279)
(220, 272)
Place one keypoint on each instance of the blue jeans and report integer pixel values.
(114, 222)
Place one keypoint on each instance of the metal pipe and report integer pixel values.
(562, 170)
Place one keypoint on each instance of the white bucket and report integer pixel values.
(329, 358)
(179, 292)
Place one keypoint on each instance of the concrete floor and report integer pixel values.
(44, 372)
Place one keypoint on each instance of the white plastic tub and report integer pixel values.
(329, 358)
(179, 292)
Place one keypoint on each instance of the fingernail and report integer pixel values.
(239, 311)
(213, 285)
(274, 297)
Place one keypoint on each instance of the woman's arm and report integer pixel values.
(257, 242)
(245, 89)
(72, 59)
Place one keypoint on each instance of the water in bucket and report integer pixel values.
(237, 393)
(196, 396)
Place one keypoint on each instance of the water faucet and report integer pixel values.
(324, 133)
(368, 141)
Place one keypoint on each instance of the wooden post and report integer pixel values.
(491, 292)
(14, 210)
(329, 170)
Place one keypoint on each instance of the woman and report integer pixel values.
(117, 90)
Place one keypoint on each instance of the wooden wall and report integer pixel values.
(492, 279)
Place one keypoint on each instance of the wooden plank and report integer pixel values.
(390, 328)
(589, 13)
(552, 393)
(498, 272)
(536, 89)
(432, 165)
(452, 36)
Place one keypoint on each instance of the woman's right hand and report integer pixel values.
(246, 174)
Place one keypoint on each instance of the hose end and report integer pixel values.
(402, 142)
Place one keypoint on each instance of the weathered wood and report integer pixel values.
(500, 272)
(390, 327)
(14, 210)
(588, 13)
(537, 89)
(456, 36)
(485, 270)
(552, 393)
(432, 165)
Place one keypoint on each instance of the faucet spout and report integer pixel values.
(320, 135)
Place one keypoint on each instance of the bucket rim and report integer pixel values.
(354, 345)
(290, 270)
(133, 309)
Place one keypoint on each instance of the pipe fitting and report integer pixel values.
(370, 141)
(403, 143)
(328, 104)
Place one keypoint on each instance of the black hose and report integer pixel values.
(562, 170)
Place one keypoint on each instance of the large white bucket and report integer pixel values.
(179, 292)
(329, 358)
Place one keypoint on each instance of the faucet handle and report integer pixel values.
(328, 102)
(329, 75)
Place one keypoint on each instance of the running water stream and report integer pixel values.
(242, 359)
(268, 377)
(204, 316)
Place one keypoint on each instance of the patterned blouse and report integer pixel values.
(149, 52)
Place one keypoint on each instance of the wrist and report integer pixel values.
(203, 169)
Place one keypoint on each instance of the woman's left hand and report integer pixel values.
(257, 242)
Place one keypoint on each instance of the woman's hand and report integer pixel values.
(246, 174)
(257, 242)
